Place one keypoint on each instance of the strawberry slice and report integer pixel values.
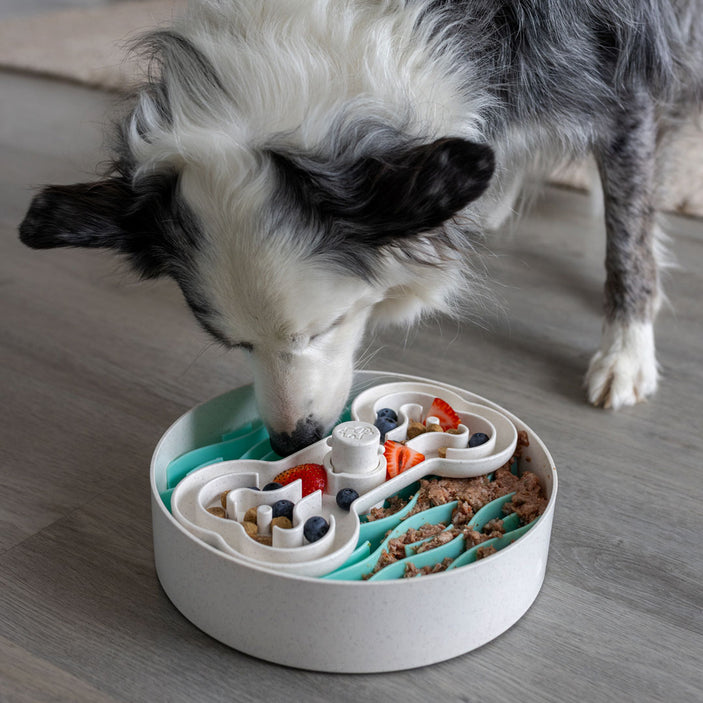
(445, 413)
(399, 458)
(313, 476)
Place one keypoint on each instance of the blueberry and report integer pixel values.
(283, 508)
(272, 486)
(315, 527)
(389, 413)
(385, 424)
(346, 497)
(477, 439)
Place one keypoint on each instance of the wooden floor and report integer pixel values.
(94, 367)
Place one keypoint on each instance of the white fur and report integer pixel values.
(303, 67)
(624, 371)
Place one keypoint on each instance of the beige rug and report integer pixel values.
(88, 46)
(82, 45)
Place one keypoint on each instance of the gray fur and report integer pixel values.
(601, 75)
(562, 72)
(371, 186)
(626, 162)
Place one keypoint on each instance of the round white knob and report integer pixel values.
(264, 515)
(355, 448)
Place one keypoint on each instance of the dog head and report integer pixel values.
(284, 242)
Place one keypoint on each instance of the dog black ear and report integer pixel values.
(414, 191)
(79, 215)
(107, 214)
(403, 192)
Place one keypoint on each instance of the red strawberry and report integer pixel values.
(313, 476)
(399, 458)
(446, 414)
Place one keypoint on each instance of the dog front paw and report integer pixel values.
(624, 371)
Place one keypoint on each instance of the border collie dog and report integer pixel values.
(304, 168)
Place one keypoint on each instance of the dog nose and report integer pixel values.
(306, 432)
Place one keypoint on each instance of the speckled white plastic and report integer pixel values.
(352, 457)
(355, 448)
(350, 626)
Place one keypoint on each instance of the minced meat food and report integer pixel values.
(471, 494)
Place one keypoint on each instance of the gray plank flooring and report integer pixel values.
(15, 8)
(94, 367)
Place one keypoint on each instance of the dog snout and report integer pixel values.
(306, 432)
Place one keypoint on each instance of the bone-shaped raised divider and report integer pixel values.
(412, 401)
(289, 551)
(369, 402)
(355, 448)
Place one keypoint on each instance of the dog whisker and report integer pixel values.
(198, 356)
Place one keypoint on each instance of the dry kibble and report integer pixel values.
(264, 539)
(454, 430)
(250, 528)
(415, 429)
(435, 428)
(223, 499)
(217, 511)
(442, 452)
(250, 515)
(281, 521)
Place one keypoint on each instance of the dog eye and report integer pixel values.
(241, 345)
(338, 321)
(217, 334)
(221, 337)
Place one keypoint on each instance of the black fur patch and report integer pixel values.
(145, 222)
(555, 59)
(174, 59)
(361, 205)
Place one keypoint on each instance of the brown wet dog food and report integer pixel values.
(411, 570)
(442, 538)
(471, 494)
(395, 503)
(483, 552)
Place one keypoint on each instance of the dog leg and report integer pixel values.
(624, 370)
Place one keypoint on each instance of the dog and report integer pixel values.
(305, 168)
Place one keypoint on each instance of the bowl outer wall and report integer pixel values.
(341, 626)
